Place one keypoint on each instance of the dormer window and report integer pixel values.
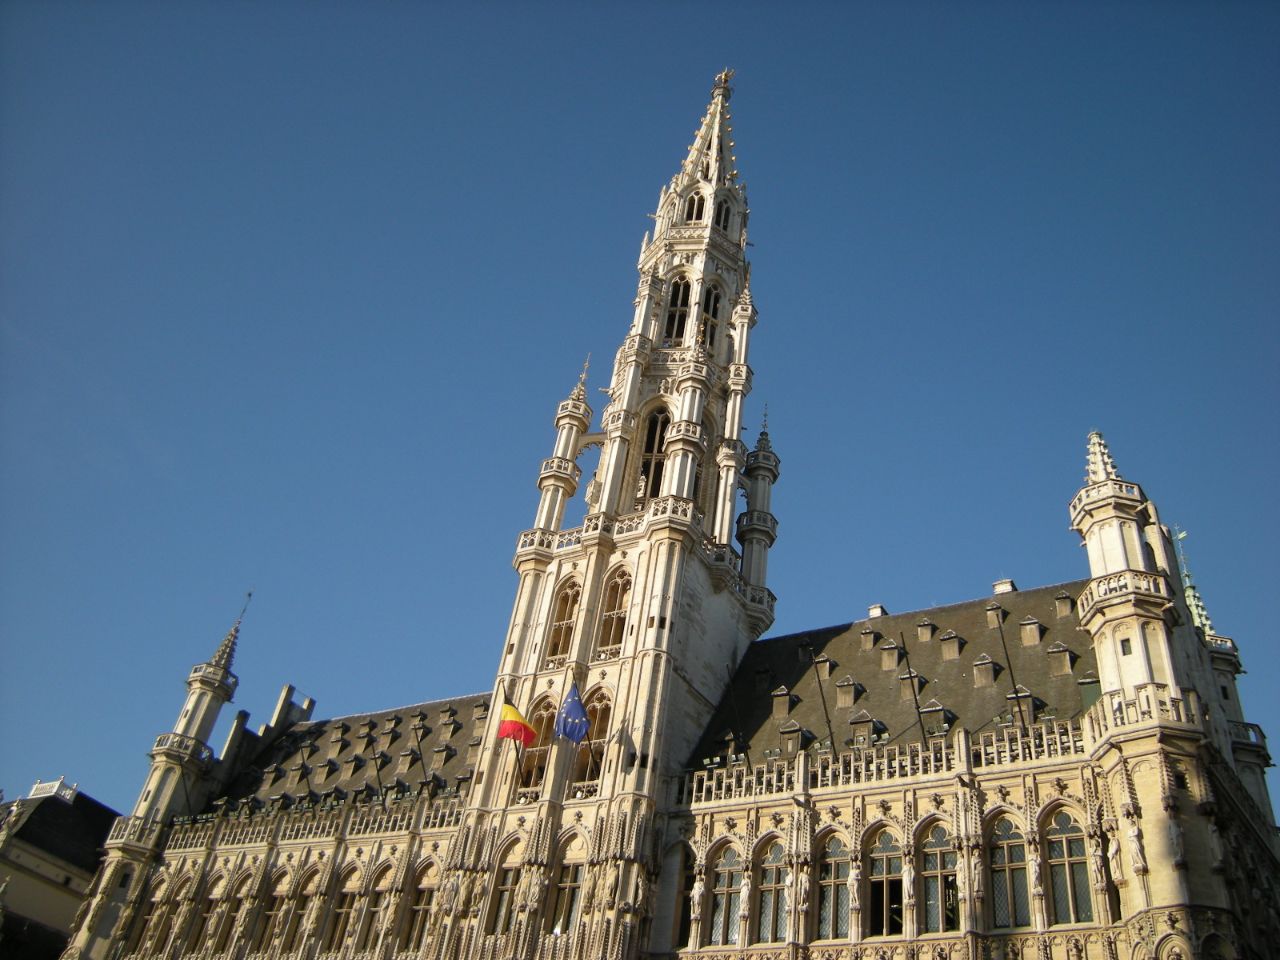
(677, 312)
(722, 214)
(695, 208)
(710, 316)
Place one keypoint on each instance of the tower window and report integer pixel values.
(884, 913)
(415, 931)
(591, 753)
(564, 616)
(695, 208)
(617, 594)
(564, 916)
(677, 312)
(504, 900)
(534, 765)
(654, 457)
(1126, 646)
(710, 316)
(722, 214)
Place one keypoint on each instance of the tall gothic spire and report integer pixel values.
(1099, 465)
(711, 154)
(226, 651)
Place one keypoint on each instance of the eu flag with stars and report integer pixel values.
(571, 721)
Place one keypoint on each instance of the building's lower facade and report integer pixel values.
(1060, 773)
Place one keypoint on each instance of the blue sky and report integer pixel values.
(290, 292)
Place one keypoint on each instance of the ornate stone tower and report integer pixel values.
(646, 606)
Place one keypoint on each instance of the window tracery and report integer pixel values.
(884, 898)
(938, 883)
(695, 208)
(654, 456)
(1068, 871)
(617, 596)
(833, 891)
(1009, 903)
(564, 617)
(771, 924)
(726, 894)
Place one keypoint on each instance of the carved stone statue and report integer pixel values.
(908, 879)
(803, 883)
(978, 874)
(589, 890)
(696, 896)
(1033, 863)
(744, 904)
(449, 892)
(1113, 855)
(855, 883)
(641, 896)
(1137, 853)
(1097, 866)
(611, 885)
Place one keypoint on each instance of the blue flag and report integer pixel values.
(571, 721)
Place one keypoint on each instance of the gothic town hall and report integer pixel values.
(1057, 773)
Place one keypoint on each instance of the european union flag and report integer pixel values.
(571, 721)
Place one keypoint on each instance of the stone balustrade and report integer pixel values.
(1107, 488)
(134, 830)
(187, 747)
(1121, 585)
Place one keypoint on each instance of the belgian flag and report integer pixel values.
(513, 726)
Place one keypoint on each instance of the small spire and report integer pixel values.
(1099, 465)
(721, 87)
(1195, 603)
(711, 153)
(226, 651)
(762, 442)
(579, 391)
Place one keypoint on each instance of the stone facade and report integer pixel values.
(1056, 773)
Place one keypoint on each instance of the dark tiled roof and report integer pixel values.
(325, 756)
(865, 659)
(74, 832)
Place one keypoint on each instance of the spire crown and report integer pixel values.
(226, 652)
(1099, 465)
(710, 155)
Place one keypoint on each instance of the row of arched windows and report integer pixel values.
(288, 915)
(695, 211)
(884, 879)
(677, 316)
(589, 755)
(564, 618)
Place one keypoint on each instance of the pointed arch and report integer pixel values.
(772, 880)
(653, 453)
(502, 901)
(1067, 867)
(885, 905)
(376, 900)
(711, 314)
(722, 214)
(678, 295)
(695, 208)
(342, 908)
(613, 621)
(725, 883)
(272, 914)
(834, 862)
(424, 882)
(564, 617)
(1007, 863)
(939, 860)
(570, 865)
(542, 717)
(598, 704)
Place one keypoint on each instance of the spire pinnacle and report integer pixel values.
(1195, 603)
(762, 442)
(711, 153)
(226, 651)
(579, 391)
(1099, 465)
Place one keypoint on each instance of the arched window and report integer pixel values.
(504, 897)
(1068, 871)
(154, 920)
(591, 751)
(938, 879)
(565, 906)
(1008, 877)
(543, 720)
(376, 904)
(677, 312)
(884, 900)
(833, 891)
(771, 927)
(695, 208)
(272, 913)
(726, 892)
(424, 892)
(564, 615)
(722, 214)
(340, 915)
(291, 939)
(617, 594)
(710, 315)
(654, 457)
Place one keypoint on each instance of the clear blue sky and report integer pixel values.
(290, 292)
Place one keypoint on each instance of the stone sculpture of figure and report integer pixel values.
(908, 879)
(696, 897)
(1113, 855)
(802, 891)
(855, 883)
(449, 892)
(611, 885)
(1137, 854)
(1096, 865)
(1177, 847)
(1215, 844)
(1033, 862)
(977, 874)
(589, 890)
(744, 904)
(641, 897)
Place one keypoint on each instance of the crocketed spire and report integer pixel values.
(1098, 463)
(226, 651)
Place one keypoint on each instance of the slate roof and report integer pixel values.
(71, 831)
(864, 660)
(337, 757)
